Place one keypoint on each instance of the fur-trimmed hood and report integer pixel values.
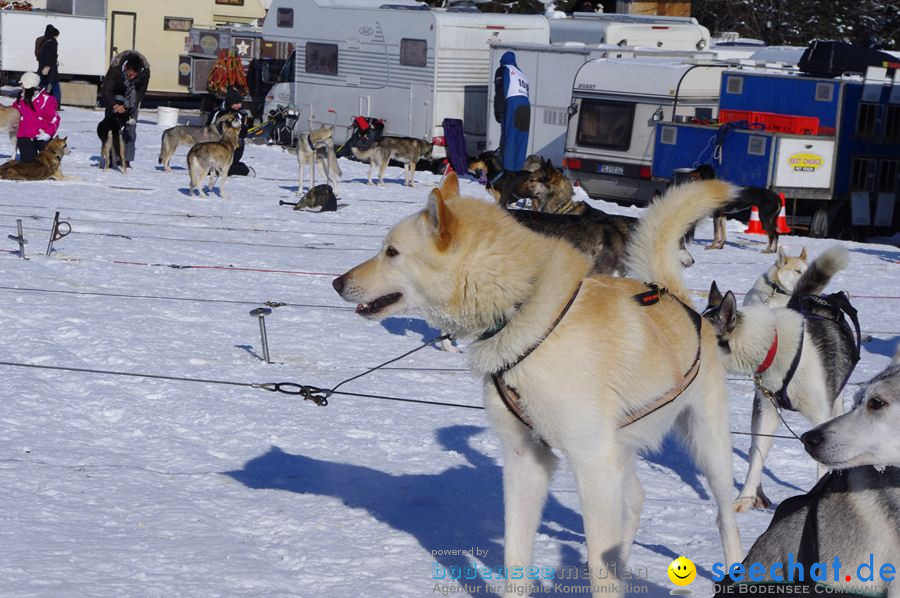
(119, 58)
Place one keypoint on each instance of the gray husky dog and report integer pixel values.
(855, 511)
(799, 361)
(214, 157)
(407, 150)
(775, 286)
(317, 147)
(190, 135)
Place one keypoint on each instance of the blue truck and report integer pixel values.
(830, 144)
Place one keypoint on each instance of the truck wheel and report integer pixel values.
(818, 227)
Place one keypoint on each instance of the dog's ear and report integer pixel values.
(715, 296)
(782, 258)
(802, 255)
(440, 219)
(728, 312)
(450, 186)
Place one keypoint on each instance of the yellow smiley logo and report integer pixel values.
(682, 571)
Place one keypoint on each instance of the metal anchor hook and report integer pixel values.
(261, 313)
(59, 230)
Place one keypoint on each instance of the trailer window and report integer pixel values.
(867, 120)
(887, 176)
(862, 171)
(285, 18)
(321, 59)
(413, 52)
(734, 85)
(892, 129)
(605, 124)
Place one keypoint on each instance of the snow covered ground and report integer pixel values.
(118, 486)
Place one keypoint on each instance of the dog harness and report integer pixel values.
(780, 397)
(510, 396)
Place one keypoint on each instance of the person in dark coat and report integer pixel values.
(48, 63)
(512, 110)
(232, 104)
(128, 77)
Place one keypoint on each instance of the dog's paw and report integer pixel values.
(743, 504)
(761, 501)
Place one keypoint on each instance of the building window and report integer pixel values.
(178, 23)
(605, 124)
(321, 59)
(867, 120)
(285, 18)
(413, 52)
(231, 2)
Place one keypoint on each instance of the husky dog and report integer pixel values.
(9, 122)
(189, 135)
(867, 435)
(774, 288)
(857, 509)
(407, 150)
(504, 185)
(601, 236)
(770, 344)
(314, 147)
(47, 165)
(468, 268)
(214, 157)
(321, 197)
(766, 201)
(112, 148)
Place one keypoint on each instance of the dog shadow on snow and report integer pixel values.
(402, 326)
(457, 509)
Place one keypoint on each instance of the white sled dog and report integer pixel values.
(775, 286)
(801, 375)
(855, 510)
(468, 268)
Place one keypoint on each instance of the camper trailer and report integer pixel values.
(402, 62)
(650, 31)
(554, 66)
(830, 144)
(615, 107)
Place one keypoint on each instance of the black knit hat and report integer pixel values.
(233, 96)
(51, 31)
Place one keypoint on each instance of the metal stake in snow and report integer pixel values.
(58, 231)
(261, 313)
(20, 239)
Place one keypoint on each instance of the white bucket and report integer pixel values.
(166, 117)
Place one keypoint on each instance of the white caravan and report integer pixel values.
(402, 62)
(651, 31)
(616, 104)
(551, 70)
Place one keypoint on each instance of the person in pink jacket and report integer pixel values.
(38, 119)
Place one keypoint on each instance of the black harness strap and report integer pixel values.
(837, 307)
(781, 396)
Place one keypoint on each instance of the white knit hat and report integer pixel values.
(30, 81)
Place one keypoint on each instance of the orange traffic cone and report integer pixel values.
(754, 227)
(781, 224)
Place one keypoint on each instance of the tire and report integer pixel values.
(818, 227)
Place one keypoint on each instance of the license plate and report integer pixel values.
(612, 169)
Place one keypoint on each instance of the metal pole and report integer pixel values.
(20, 239)
(261, 313)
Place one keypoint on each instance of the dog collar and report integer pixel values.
(310, 143)
(770, 356)
(496, 177)
(777, 289)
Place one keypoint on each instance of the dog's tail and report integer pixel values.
(653, 250)
(820, 272)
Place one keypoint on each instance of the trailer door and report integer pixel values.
(124, 30)
(419, 106)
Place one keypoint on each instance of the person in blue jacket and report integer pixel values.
(512, 110)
